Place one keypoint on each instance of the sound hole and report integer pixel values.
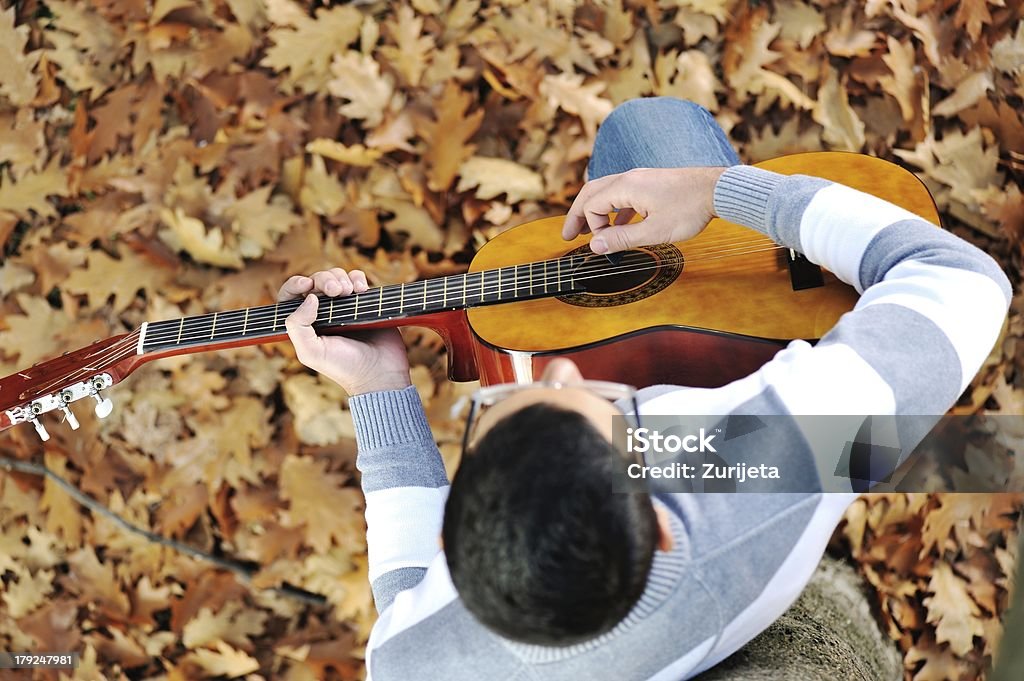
(639, 274)
(600, 277)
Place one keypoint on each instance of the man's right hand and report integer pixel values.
(361, 362)
(675, 204)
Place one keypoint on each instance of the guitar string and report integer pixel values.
(126, 347)
(108, 357)
(391, 296)
(689, 256)
(266, 313)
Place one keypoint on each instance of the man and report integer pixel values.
(548, 574)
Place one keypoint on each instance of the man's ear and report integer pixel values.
(666, 542)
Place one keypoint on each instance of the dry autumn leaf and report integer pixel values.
(260, 220)
(903, 83)
(843, 128)
(35, 334)
(358, 79)
(355, 155)
(303, 46)
(322, 504)
(410, 55)
(104, 276)
(801, 23)
(224, 661)
(18, 81)
(233, 624)
(967, 93)
(189, 234)
(447, 136)
(494, 176)
(953, 610)
(314, 401)
(567, 91)
(29, 194)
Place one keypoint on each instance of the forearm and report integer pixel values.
(405, 484)
(932, 305)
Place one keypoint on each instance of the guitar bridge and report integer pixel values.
(802, 272)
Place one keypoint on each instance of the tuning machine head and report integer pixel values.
(103, 405)
(61, 400)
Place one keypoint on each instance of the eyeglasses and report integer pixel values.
(622, 396)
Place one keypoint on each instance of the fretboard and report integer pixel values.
(488, 287)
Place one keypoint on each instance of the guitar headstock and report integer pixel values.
(54, 384)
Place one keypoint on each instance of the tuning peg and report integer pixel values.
(41, 430)
(70, 417)
(103, 405)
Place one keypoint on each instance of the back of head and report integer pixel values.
(539, 547)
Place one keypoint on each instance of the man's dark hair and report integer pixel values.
(539, 548)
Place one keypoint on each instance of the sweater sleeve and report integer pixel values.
(931, 307)
(405, 485)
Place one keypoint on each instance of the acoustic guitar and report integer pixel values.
(700, 313)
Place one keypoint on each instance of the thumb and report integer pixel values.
(300, 327)
(615, 238)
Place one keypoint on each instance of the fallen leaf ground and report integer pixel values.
(171, 158)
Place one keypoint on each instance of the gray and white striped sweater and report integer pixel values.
(930, 311)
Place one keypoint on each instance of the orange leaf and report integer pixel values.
(447, 136)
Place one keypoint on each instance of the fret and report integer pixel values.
(355, 312)
(181, 325)
(365, 302)
(245, 322)
(274, 327)
(499, 283)
(229, 322)
(515, 281)
(484, 287)
(330, 312)
(401, 299)
(467, 291)
(193, 328)
(544, 267)
(213, 329)
(380, 303)
(558, 274)
(424, 295)
(389, 312)
(444, 293)
(488, 289)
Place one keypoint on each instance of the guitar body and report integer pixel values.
(712, 318)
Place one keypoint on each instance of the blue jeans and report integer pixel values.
(659, 132)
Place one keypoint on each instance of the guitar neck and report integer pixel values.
(397, 301)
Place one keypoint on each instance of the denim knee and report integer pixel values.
(658, 132)
(652, 112)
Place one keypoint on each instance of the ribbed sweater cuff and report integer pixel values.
(389, 418)
(741, 196)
